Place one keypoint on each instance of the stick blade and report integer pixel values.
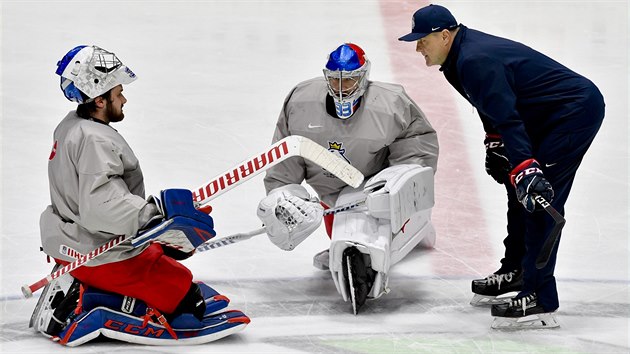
(549, 245)
(554, 236)
(334, 164)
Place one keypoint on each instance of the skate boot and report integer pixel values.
(56, 304)
(495, 288)
(523, 312)
(321, 260)
(359, 274)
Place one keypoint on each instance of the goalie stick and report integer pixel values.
(552, 239)
(290, 146)
(228, 240)
(283, 149)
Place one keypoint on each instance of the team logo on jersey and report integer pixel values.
(337, 149)
(53, 152)
(70, 252)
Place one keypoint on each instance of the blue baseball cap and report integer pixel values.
(427, 20)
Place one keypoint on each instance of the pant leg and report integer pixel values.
(515, 240)
(560, 155)
(152, 277)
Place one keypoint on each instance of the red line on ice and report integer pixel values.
(462, 245)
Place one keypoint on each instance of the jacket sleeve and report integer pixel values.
(105, 202)
(418, 142)
(290, 171)
(489, 86)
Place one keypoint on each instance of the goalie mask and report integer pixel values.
(89, 71)
(346, 74)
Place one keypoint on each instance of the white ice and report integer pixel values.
(212, 79)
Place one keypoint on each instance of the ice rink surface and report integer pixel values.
(212, 79)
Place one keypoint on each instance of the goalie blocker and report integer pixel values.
(398, 218)
(181, 227)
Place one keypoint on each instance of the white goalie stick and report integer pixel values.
(228, 240)
(552, 239)
(288, 147)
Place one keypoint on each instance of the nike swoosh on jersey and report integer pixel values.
(311, 126)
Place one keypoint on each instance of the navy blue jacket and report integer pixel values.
(519, 93)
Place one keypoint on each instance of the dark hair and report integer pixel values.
(84, 110)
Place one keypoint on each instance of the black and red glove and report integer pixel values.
(497, 164)
(529, 181)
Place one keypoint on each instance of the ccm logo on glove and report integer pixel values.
(525, 172)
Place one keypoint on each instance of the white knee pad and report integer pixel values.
(400, 191)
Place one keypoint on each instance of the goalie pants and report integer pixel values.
(160, 281)
(560, 154)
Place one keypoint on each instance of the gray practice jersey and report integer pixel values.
(96, 190)
(387, 129)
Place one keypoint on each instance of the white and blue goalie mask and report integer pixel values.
(346, 73)
(89, 71)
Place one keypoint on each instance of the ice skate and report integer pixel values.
(321, 260)
(521, 313)
(360, 277)
(497, 288)
(57, 301)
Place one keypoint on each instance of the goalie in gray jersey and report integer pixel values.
(378, 129)
(97, 195)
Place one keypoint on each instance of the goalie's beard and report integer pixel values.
(113, 114)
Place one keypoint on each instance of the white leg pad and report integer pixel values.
(418, 228)
(373, 236)
(399, 192)
(370, 237)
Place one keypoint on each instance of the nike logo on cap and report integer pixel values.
(435, 29)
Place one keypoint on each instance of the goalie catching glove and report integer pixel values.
(289, 215)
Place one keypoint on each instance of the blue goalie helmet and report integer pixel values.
(346, 73)
(89, 71)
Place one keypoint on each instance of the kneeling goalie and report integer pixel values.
(377, 128)
(138, 291)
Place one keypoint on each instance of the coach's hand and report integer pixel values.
(497, 164)
(529, 181)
